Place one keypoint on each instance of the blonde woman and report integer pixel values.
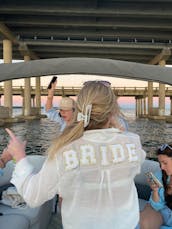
(64, 114)
(91, 165)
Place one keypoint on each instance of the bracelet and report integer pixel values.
(2, 163)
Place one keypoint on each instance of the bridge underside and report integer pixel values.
(137, 31)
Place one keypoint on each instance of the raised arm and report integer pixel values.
(49, 102)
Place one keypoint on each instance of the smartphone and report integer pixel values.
(52, 81)
(153, 179)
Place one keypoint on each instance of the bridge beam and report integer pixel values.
(161, 60)
(7, 34)
(164, 55)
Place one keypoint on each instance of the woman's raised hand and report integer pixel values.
(16, 147)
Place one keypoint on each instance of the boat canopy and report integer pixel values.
(91, 66)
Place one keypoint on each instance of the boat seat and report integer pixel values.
(142, 186)
(16, 222)
(24, 218)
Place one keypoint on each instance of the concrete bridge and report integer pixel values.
(32, 99)
(73, 91)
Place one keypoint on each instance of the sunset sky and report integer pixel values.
(78, 80)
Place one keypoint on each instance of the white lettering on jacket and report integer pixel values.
(117, 153)
(71, 159)
(111, 154)
(87, 157)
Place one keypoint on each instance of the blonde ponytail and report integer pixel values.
(102, 104)
(70, 133)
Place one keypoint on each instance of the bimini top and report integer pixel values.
(92, 66)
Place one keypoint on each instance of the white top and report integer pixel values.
(95, 177)
(54, 115)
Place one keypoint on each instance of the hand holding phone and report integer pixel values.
(52, 81)
(152, 178)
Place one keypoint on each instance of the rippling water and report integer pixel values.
(152, 133)
(39, 133)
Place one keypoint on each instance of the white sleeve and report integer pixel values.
(54, 115)
(36, 188)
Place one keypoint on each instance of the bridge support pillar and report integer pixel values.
(27, 93)
(161, 99)
(7, 56)
(162, 94)
(144, 105)
(38, 94)
(136, 107)
(170, 105)
(33, 100)
(150, 98)
(139, 106)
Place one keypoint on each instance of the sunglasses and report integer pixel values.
(104, 82)
(164, 146)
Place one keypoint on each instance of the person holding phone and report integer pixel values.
(158, 212)
(64, 115)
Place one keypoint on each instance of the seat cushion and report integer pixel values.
(144, 191)
(148, 165)
(32, 214)
(13, 221)
(142, 204)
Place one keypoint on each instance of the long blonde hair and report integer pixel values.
(104, 105)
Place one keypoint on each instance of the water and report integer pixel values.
(39, 133)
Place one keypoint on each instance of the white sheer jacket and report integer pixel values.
(95, 177)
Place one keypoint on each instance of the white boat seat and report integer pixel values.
(142, 186)
(24, 218)
(16, 222)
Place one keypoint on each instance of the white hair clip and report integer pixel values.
(85, 117)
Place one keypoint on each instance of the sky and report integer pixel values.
(77, 81)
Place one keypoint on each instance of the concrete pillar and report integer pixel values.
(170, 105)
(150, 97)
(33, 100)
(23, 103)
(27, 93)
(140, 101)
(136, 106)
(161, 99)
(162, 94)
(140, 106)
(38, 94)
(7, 56)
(144, 105)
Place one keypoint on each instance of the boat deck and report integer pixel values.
(55, 222)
